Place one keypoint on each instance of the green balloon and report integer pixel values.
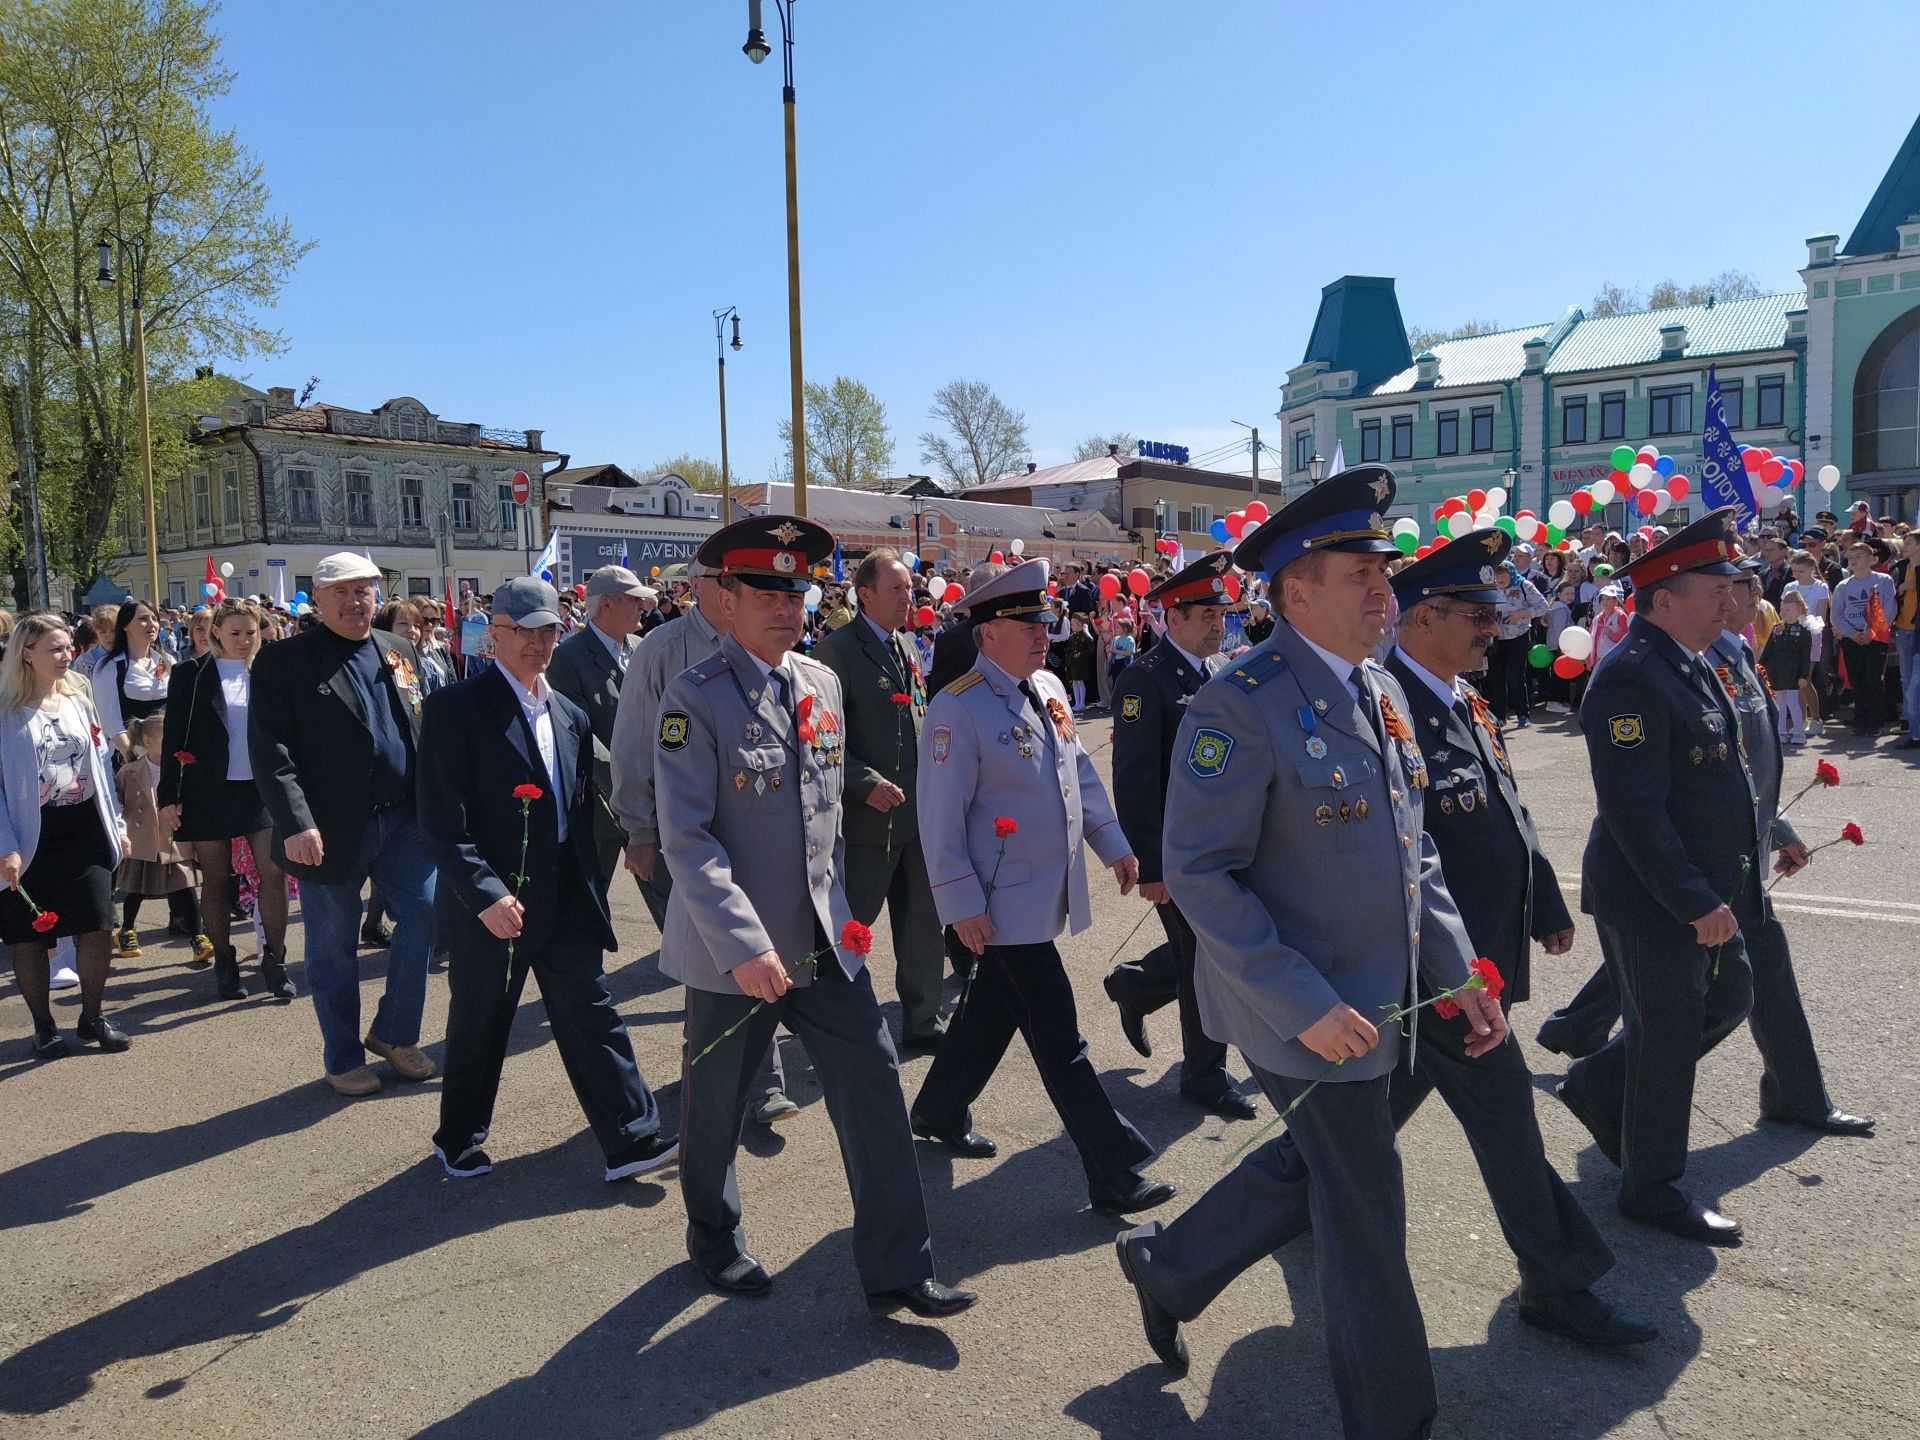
(1540, 657)
(1505, 522)
(1407, 543)
(1623, 457)
(1555, 534)
(1600, 572)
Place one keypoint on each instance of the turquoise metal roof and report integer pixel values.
(1611, 342)
(1359, 328)
(1476, 360)
(1897, 198)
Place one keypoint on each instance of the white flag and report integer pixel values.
(1339, 461)
(548, 561)
(279, 587)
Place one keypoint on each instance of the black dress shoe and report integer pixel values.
(102, 1032)
(1133, 1023)
(743, 1275)
(49, 1044)
(642, 1156)
(1559, 1036)
(923, 1042)
(972, 1144)
(929, 1299)
(1163, 1331)
(376, 937)
(1834, 1122)
(1585, 1317)
(273, 973)
(1230, 1104)
(1695, 1222)
(1607, 1137)
(1136, 1192)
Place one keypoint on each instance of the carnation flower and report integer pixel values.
(1489, 975)
(1005, 825)
(856, 937)
(1851, 832)
(527, 794)
(185, 757)
(45, 921)
(1446, 1007)
(900, 697)
(1827, 773)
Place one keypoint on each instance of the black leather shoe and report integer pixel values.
(102, 1032)
(1834, 1122)
(1133, 1024)
(925, 1042)
(1696, 1222)
(743, 1275)
(376, 937)
(1607, 1137)
(1163, 1331)
(273, 973)
(929, 1299)
(1230, 1104)
(972, 1144)
(1135, 1193)
(226, 975)
(1559, 1036)
(1585, 1317)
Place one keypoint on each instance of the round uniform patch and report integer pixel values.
(1208, 757)
(785, 563)
(1626, 731)
(673, 730)
(1130, 708)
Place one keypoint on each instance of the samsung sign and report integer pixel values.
(1160, 450)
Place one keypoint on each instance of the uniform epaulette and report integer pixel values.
(711, 668)
(1257, 672)
(965, 683)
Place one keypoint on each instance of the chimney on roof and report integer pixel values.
(1535, 351)
(1031, 467)
(1429, 364)
(1113, 451)
(1673, 341)
(534, 438)
(279, 399)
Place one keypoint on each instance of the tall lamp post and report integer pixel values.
(757, 49)
(720, 318)
(137, 252)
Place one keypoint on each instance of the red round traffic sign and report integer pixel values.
(522, 487)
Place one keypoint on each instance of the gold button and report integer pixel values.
(1409, 892)
(1416, 937)
(1406, 842)
(1396, 797)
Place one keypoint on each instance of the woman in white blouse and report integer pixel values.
(61, 832)
(207, 795)
(132, 680)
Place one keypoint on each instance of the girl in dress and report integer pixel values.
(153, 870)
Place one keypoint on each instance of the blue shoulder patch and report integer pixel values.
(711, 668)
(1250, 675)
(1208, 757)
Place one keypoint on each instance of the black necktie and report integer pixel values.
(900, 662)
(1358, 680)
(1026, 689)
(780, 691)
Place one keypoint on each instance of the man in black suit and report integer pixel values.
(505, 802)
(588, 667)
(333, 727)
(954, 650)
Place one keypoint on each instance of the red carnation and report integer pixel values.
(527, 794)
(1826, 773)
(45, 921)
(185, 757)
(856, 937)
(1489, 975)
(96, 733)
(900, 697)
(1851, 832)
(1005, 825)
(1446, 1007)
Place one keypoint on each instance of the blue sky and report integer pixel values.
(1120, 214)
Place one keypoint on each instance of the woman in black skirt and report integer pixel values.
(208, 796)
(61, 834)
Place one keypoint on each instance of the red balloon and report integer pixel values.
(1232, 582)
(924, 616)
(1257, 512)
(1765, 453)
(1646, 455)
(1645, 501)
(1771, 471)
(996, 558)
(1440, 512)
(1582, 502)
(1236, 522)
(1751, 461)
(1797, 468)
(1678, 486)
(1568, 668)
(1476, 500)
(1053, 587)
(1109, 586)
(1139, 581)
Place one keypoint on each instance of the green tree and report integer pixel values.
(700, 473)
(106, 131)
(1419, 338)
(1612, 299)
(1094, 446)
(986, 438)
(847, 436)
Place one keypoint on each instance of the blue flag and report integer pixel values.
(1723, 480)
(838, 574)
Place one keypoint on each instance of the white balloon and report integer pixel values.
(1561, 513)
(1484, 520)
(1829, 477)
(1771, 495)
(1527, 528)
(1459, 523)
(1662, 502)
(1603, 493)
(1496, 497)
(814, 596)
(910, 560)
(1019, 547)
(1576, 641)
(1406, 525)
(940, 591)
(227, 569)
(936, 585)
(1640, 476)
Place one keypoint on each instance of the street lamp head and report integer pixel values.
(1508, 475)
(736, 332)
(105, 277)
(756, 47)
(1316, 467)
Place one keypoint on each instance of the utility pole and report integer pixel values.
(1256, 460)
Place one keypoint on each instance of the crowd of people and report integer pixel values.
(775, 773)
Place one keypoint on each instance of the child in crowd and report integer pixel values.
(1788, 663)
(1559, 616)
(1609, 622)
(1121, 649)
(153, 870)
(1816, 595)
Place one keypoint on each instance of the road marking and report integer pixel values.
(1793, 905)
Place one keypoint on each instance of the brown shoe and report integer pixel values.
(408, 1061)
(356, 1082)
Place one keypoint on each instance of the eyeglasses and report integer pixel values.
(1478, 615)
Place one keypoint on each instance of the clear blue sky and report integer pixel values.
(1118, 214)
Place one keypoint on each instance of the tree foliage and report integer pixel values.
(106, 132)
(847, 435)
(700, 473)
(985, 439)
(1419, 338)
(1095, 446)
(1612, 299)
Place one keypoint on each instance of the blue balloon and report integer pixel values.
(1664, 465)
(299, 597)
(1219, 531)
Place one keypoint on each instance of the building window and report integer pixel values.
(509, 511)
(202, 505)
(413, 503)
(1202, 520)
(303, 584)
(303, 498)
(230, 497)
(1302, 448)
(1733, 403)
(1369, 440)
(1671, 410)
(1403, 437)
(1573, 420)
(1773, 402)
(463, 505)
(359, 499)
(1886, 399)
(1482, 436)
(1613, 415)
(1448, 441)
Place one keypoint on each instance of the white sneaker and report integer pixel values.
(64, 978)
(1556, 707)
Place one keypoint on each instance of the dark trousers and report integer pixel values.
(897, 878)
(1507, 670)
(847, 1038)
(1024, 988)
(592, 1037)
(1866, 662)
(654, 892)
(1339, 1175)
(1676, 1009)
(1164, 975)
(1791, 1085)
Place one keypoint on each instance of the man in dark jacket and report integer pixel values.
(588, 668)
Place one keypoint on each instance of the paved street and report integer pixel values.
(198, 1238)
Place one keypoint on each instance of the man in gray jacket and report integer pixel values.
(588, 668)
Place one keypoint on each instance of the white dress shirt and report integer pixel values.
(619, 649)
(235, 688)
(534, 704)
(1341, 667)
(1449, 693)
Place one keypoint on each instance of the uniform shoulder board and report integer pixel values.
(965, 683)
(1259, 670)
(711, 668)
(809, 661)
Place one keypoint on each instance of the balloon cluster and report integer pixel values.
(1463, 514)
(1576, 649)
(1166, 545)
(1771, 476)
(1232, 527)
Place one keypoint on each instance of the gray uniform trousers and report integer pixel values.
(1341, 1175)
(847, 1038)
(897, 878)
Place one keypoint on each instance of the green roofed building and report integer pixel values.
(1827, 375)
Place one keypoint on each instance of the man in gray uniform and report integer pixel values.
(1294, 845)
(749, 766)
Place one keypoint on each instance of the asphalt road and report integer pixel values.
(197, 1238)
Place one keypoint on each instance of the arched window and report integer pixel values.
(1886, 399)
(673, 502)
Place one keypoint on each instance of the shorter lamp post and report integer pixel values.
(720, 318)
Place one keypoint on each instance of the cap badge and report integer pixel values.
(1219, 585)
(1374, 522)
(784, 561)
(1486, 574)
(786, 532)
(1379, 491)
(1492, 542)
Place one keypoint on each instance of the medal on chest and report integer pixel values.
(1483, 717)
(1400, 733)
(1316, 747)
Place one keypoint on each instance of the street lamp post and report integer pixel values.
(105, 276)
(1316, 467)
(720, 318)
(757, 50)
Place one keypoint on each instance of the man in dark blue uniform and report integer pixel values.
(1149, 702)
(1673, 873)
